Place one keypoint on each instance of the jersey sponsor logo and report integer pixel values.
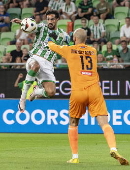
(88, 73)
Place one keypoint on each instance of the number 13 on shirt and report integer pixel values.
(86, 62)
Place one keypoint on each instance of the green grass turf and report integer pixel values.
(51, 151)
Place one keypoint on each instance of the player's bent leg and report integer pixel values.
(50, 88)
(110, 138)
(32, 67)
(47, 91)
(73, 139)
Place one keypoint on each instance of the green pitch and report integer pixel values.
(51, 151)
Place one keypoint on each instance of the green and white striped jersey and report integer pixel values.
(40, 46)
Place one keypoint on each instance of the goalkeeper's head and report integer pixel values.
(52, 19)
(79, 36)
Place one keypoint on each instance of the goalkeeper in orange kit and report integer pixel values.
(86, 92)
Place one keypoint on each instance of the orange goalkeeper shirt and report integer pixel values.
(82, 63)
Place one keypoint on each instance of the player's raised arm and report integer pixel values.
(61, 50)
(16, 20)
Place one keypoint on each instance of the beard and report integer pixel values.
(51, 26)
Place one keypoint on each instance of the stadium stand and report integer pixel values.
(63, 24)
(27, 13)
(2, 51)
(14, 12)
(121, 12)
(112, 25)
(14, 27)
(77, 24)
(10, 48)
(114, 36)
(6, 37)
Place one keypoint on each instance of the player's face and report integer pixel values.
(51, 21)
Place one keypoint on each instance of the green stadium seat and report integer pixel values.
(95, 2)
(114, 36)
(27, 13)
(121, 12)
(2, 52)
(14, 27)
(111, 25)
(62, 23)
(90, 23)
(104, 48)
(14, 12)
(6, 37)
(10, 48)
(77, 24)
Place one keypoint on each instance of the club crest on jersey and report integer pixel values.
(88, 73)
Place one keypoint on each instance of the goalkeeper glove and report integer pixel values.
(53, 36)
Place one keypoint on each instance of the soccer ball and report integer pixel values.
(28, 25)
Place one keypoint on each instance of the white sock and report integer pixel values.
(113, 149)
(74, 156)
(25, 90)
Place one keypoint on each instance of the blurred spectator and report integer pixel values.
(5, 59)
(125, 53)
(110, 54)
(20, 76)
(40, 8)
(20, 84)
(21, 36)
(116, 65)
(25, 4)
(16, 53)
(12, 4)
(25, 56)
(17, 60)
(68, 10)
(97, 47)
(117, 3)
(84, 10)
(18, 4)
(37, 19)
(8, 55)
(101, 59)
(98, 32)
(4, 19)
(124, 32)
(84, 23)
(103, 10)
(30, 39)
(55, 5)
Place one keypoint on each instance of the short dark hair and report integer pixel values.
(127, 18)
(83, 19)
(124, 41)
(49, 12)
(95, 43)
(96, 16)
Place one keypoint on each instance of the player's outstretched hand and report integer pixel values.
(16, 20)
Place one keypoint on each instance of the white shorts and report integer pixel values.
(46, 70)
